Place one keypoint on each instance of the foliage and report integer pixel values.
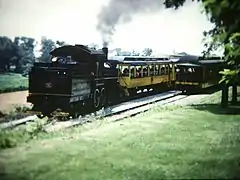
(26, 56)
(93, 46)
(47, 46)
(18, 54)
(8, 51)
(224, 14)
(147, 52)
(60, 43)
(230, 76)
(8, 139)
(12, 137)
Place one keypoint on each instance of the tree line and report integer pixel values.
(19, 52)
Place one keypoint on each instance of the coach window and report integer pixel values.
(145, 71)
(149, 66)
(190, 70)
(162, 69)
(167, 68)
(173, 68)
(194, 70)
(133, 72)
(170, 68)
(157, 69)
(151, 70)
(140, 71)
(125, 71)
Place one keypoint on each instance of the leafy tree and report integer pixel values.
(7, 52)
(24, 53)
(93, 46)
(224, 14)
(147, 52)
(47, 46)
(118, 51)
(61, 43)
(135, 53)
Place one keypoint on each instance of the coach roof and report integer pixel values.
(137, 58)
(199, 59)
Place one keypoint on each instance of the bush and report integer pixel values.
(20, 88)
(21, 109)
(10, 138)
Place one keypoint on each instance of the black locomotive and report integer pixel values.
(76, 76)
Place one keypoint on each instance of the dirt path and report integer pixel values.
(9, 100)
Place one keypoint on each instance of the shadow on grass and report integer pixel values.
(12, 177)
(217, 109)
(214, 168)
(9, 176)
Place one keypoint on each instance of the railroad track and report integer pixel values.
(121, 111)
(113, 113)
(14, 123)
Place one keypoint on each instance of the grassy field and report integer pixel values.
(12, 82)
(200, 141)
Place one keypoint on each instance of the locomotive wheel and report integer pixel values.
(96, 99)
(103, 97)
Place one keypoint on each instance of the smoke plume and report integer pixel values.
(122, 11)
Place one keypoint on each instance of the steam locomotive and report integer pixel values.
(78, 77)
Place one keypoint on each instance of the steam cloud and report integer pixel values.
(120, 12)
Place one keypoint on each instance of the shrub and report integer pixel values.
(12, 137)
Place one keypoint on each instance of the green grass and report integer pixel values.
(174, 142)
(10, 82)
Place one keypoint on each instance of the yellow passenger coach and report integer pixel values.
(144, 73)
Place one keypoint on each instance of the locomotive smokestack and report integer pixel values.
(105, 50)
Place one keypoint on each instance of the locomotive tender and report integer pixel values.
(79, 77)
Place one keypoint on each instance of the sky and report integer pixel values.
(74, 21)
